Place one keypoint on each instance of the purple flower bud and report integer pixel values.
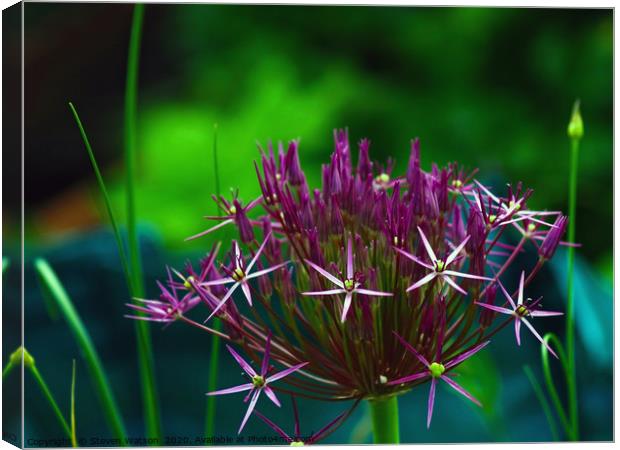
(294, 173)
(241, 219)
(487, 315)
(552, 240)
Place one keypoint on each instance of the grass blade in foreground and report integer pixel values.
(51, 283)
(145, 351)
(73, 431)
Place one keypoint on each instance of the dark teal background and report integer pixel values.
(491, 88)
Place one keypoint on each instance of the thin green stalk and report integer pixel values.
(384, 415)
(15, 360)
(549, 380)
(50, 282)
(73, 428)
(50, 398)
(5, 264)
(543, 401)
(145, 352)
(575, 133)
(215, 340)
(106, 197)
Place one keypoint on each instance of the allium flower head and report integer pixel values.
(357, 278)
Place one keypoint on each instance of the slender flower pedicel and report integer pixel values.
(370, 242)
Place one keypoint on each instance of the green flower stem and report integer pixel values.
(212, 385)
(384, 414)
(16, 361)
(145, 351)
(543, 401)
(571, 375)
(50, 282)
(73, 428)
(215, 343)
(50, 398)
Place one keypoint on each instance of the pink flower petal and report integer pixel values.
(498, 309)
(347, 305)
(224, 300)
(350, 258)
(466, 275)
(431, 402)
(422, 281)
(410, 347)
(232, 390)
(257, 255)
(408, 378)
(326, 274)
(452, 283)
(459, 359)
(246, 291)
(210, 230)
(242, 362)
(429, 249)
(375, 293)
(266, 271)
(529, 325)
(413, 258)
(539, 313)
(456, 251)
(329, 292)
(460, 389)
(285, 372)
(250, 409)
(272, 396)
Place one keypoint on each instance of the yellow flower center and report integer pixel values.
(436, 369)
(258, 381)
(238, 274)
(349, 284)
(188, 283)
(439, 265)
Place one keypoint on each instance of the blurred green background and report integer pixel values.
(491, 88)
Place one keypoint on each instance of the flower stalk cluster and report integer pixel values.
(368, 286)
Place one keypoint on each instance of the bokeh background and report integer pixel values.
(491, 88)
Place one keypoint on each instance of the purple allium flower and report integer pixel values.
(239, 274)
(348, 285)
(520, 311)
(399, 233)
(260, 381)
(439, 266)
(438, 369)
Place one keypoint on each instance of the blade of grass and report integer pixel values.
(73, 431)
(5, 264)
(145, 351)
(106, 197)
(50, 282)
(543, 401)
(215, 340)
